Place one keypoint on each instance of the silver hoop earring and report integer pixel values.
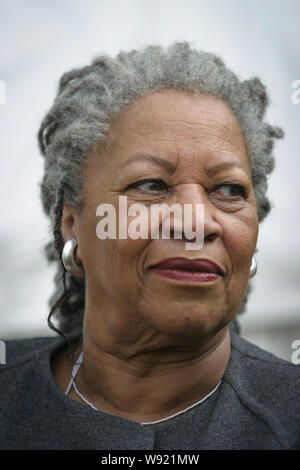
(253, 269)
(69, 260)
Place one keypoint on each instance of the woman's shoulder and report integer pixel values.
(267, 387)
(253, 365)
(256, 356)
(18, 352)
(26, 368)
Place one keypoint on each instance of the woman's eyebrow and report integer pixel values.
(167, 164)
(213, 170)
(171, 166)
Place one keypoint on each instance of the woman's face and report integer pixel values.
(204, 162)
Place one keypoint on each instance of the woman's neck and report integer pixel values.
(150, 386)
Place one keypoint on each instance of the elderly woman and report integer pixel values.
(149, 356)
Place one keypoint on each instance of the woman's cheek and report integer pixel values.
(239, 232)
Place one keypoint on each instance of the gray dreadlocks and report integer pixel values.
(87, 100)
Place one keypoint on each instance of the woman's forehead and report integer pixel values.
(177, 108)
(176, 123)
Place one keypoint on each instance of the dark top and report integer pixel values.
(257, 406)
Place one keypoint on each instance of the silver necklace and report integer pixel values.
(73, 384)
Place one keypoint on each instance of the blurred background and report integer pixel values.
(41, 39)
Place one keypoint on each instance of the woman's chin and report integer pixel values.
(186, 324)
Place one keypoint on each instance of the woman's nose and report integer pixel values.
(196, 208)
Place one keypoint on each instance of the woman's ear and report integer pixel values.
(68, 226)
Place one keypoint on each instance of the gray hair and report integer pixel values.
(87, 100)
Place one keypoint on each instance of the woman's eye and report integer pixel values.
(229, 191)
(150, 185)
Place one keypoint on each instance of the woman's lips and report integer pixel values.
(184, 269)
